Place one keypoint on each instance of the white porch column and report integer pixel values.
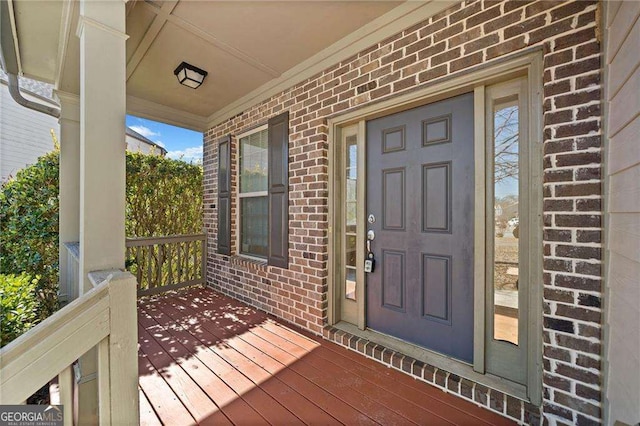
(69, 177)
(101, 29)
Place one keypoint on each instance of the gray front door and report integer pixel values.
(420, 189)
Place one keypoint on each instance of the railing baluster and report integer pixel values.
(139, 266)
(149, 282)
(187, 248)
(104, 382)
(179, 271)
(159, 264)
(187, 260)
(195, 260)
(65, 389)
(169, 264)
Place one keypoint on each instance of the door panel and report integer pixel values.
(393, 291)
(393, 199)
(436, 197)
(436, 287)
(420, 184)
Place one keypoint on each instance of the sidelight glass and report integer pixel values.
(506, 253)
(350, 211)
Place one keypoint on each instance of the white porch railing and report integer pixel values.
(167, 263)
(105, 318)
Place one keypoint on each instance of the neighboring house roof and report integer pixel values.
(134, 134)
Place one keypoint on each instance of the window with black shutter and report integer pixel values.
(263, 193)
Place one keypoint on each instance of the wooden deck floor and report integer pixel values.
(209, 359)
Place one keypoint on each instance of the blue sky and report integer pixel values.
(180, 143)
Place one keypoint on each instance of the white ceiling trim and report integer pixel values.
(14, 31)
(399, 18)
(83, 21)
(68, 11)
(162, 14)
(165, 114)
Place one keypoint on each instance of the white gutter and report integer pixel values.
(10, 62)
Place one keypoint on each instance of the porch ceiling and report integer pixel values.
(244, 45)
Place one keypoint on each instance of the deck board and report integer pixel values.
(148, 416)
(224, 363)
(208, 359)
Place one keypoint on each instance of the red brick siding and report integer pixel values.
(466, 35)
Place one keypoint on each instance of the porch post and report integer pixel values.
(101, 29)
(69, 178)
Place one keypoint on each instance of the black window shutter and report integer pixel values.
(279, 191)
(224, 196)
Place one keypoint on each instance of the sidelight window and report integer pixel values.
(506, 173)
(507, 238)
(350, 201)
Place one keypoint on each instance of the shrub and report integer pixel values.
(29, 227)
(18, 306)
(164, 197)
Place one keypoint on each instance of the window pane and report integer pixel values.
(506, 219)
(350, 250)
(254, 222)
(253, 162)
(351, 182)
(350, 284)
(351, 178)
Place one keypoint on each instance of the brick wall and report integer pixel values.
(468, 34)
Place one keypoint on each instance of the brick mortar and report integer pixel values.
(403, 63)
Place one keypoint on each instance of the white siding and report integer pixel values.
(136, 145)
(25, 134)
(623, 204)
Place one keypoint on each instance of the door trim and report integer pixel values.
(527, 63)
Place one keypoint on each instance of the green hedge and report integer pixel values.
(29, 227)
(164, 197)
(18, 306)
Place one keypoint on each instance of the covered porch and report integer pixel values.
(207, 358)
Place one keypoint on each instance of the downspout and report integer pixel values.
(9, 62)
(14, 91)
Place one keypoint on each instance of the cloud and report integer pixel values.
(190, 155)
(161, 144)
(144, 131)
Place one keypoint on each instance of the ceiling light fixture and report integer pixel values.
(189, 75)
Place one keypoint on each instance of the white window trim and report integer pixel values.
(240, 195)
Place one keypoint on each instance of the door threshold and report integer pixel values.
(401, 355)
